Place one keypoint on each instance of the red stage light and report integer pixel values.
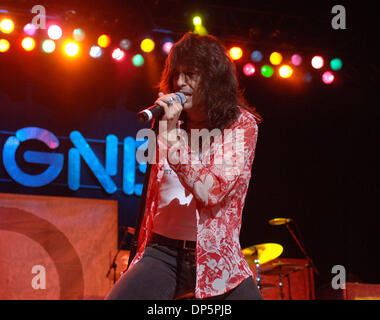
(167, 46)
(104, 41)
(55, 32)
(285, 71)
(296, 59)
(28, 43)
(236, 53)
(249, 69)
(7, 25)
(118, 54)
(328, 77)
(30, 29)
(317, 62)
(4, 45)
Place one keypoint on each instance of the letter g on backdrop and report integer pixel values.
(54, 160)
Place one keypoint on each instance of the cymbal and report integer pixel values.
(280, 268)
(264, 252)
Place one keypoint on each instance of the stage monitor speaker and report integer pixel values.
(361, 291)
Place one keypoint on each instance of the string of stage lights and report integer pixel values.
(252, 63)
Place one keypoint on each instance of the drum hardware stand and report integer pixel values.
(258, 278)
(287, 275)
(310, 264)
(113, 264)
(281, 285)
(289, 290)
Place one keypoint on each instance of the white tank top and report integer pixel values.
(176, 209)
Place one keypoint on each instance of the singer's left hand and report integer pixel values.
(172, 113)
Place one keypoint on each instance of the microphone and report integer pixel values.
(157, 111)
(279, 221)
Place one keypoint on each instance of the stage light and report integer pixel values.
(296, 59)
(54, 32)
(4, 45)
(336, 64)
(6, 26)
(275, 58)
(138, 60)
(256, 56)
(249, 69)
(328, 77)
(28, 44)
(235, 53)
(118, 54)
(197, 21)
(48, 46)
(71, 49)
(125, 44)
(167, 46)
(285, 71)
(147, 45)
(78, 34)
(317, 62)
(200, 29)
(267, 71)
(96, 52)
(307, 77)
(104, 41)
(30, 29)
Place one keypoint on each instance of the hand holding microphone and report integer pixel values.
(172, 105)
(167, 106)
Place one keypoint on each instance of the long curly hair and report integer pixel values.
(218, 93)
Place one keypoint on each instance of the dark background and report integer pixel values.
(315, 158)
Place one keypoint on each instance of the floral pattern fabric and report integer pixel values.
(219, 182)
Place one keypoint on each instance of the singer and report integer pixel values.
(188, 244)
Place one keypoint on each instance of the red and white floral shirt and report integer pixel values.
(220, 187)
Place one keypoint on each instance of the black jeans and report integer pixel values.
(164, 273)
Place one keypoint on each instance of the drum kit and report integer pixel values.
(259, 257)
